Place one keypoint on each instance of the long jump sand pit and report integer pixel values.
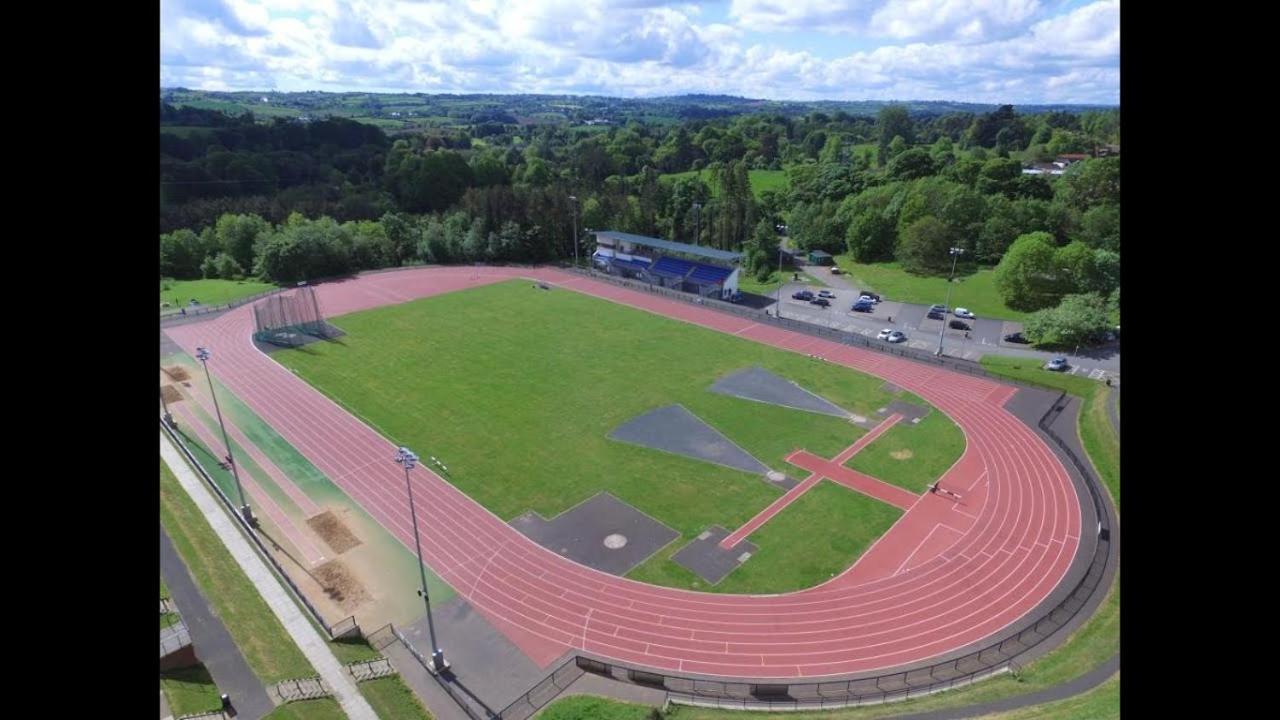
(333, 531)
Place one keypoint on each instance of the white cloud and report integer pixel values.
(988, 51)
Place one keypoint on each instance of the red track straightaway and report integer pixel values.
(949, 573)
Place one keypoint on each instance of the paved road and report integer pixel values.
(213, 643)
(985, 337)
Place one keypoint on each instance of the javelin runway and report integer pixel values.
(948, 574)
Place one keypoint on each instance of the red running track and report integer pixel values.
(947, 574)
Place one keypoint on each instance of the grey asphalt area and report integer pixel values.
(763, 386)
(487, 669)
(708, 560)
(213, 644)
(602, 532)
(675, 430)
(986, 335)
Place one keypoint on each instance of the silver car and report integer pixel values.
(884, 334)
(1057, 364)
(897, 336)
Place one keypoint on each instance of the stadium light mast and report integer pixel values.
(168, 419)
(697, 223)
(407, 459)
(202, 354)
(574, 199)
(955, 255)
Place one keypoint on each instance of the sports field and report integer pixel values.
(517, 389)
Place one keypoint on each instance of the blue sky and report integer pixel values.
(999, 51)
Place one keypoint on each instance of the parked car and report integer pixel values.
(835, 270)
(884, 334)
(863, 306)
(957, 325)
(1017, 337)
(872, 296)
(1058, 364)
(820, 301)
(802, 295)
(964, 313)
(936, 315)
(938, 309)
(826, 294)
(897, 336)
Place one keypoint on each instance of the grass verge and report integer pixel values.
(321, 709)
(393, 700)
(190, 690)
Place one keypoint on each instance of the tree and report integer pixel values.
(1027, 277)
(1091, 182)
(923, 247)
(911, 164)
(181, 255)
(1077, 319)
(1100, 227)
(236, 235)
(892, 122)
(871, 237)
(999, 176)
(897, 146)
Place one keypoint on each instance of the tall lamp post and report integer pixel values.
(202, 354)
(574, 199)
(168, 419)
(406, 458)
(955, 255)
(697, 223)
(780, 276)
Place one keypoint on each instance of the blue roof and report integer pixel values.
(669, 246)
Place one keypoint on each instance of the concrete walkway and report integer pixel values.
(290, 615)
(214, 645)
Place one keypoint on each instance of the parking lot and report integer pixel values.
(985, 334)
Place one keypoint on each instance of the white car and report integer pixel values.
(964, 313)
(897, 336)
(826, 294)
(868, 298)
(884, 334)
(1058, 364)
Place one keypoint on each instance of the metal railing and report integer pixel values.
(343, 628)
(176, 638)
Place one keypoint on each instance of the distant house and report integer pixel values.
(1068, 158)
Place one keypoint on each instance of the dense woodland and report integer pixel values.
(286, 200)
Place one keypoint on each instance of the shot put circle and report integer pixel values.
(615, 541)
(775, 476)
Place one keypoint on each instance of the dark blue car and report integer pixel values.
(861, 306)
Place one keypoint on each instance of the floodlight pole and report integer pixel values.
(202, 354)
(697, 223)
(780, 277)
(406, 458)
(955, 255)
(574, 199)
(168, 419)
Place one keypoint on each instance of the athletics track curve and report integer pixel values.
(945, 576)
